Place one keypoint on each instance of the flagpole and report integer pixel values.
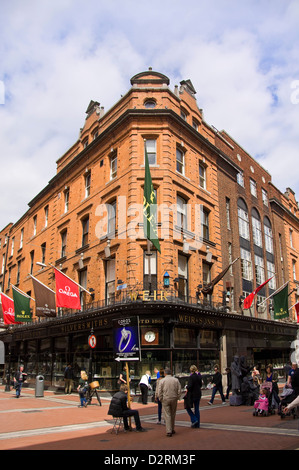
(277, 290)
(41, 283)
(293, 306)
(21, 292)
(81, 287)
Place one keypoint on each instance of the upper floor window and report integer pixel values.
(111, 225)
(243, 220)
(63, 243)
(43, 250)
(22, 238)
(256, 228)
(34, 224)
(180, 161)
(113, 165)
(265, 197)
(291, 238)
(66, 200)
(205, 224)
(227, 208)
(150, 145)
(150, 103)
(246, 267)
(46, 216)
(85, 230)
(240, 178)
(181, 213)
(253, 189)
(202, 175)
(259, 270)
(268, 236)
(87, 180)
(195, 124)
(12, 246)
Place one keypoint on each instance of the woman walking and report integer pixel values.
(193, 396)
(82, 389)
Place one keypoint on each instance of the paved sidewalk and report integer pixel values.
(54, 422)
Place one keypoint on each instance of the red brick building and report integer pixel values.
(215, 204)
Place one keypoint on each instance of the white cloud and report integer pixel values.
(57, 56)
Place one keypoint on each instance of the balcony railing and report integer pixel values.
(135, 297)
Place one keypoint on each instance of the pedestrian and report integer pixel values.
(157, 372)
(217, 386)
(291, 372)
(19, 378)
(193, 396)
(123, 377)
(229, 382)
(161, 376)
(82, 389)
(145, 386)
(68, 379)
(169, 393)
(119, 408)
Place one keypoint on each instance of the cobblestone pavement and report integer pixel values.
(55, 422)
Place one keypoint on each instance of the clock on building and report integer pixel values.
(150, 336)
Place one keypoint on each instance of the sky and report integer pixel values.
(56, 56)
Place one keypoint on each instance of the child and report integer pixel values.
(262, 403)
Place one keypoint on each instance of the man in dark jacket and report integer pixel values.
(217, 381)
(193, 396)
(119, 408)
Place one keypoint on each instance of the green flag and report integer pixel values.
(22, 306)
(281, 304)
(150, 208)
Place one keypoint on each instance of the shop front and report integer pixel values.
(171, 335)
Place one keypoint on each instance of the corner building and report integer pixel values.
(88, 222)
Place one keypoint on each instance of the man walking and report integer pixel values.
(68, 379)
(169, 393)
(19, 379)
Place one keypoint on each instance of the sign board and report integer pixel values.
(126, 339)
(92, 341)
(2, 353)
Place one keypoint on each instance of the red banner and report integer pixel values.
(249, 299)
(8, 310)
(67, 292)
(297, 311)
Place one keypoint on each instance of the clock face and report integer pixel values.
(150, 336)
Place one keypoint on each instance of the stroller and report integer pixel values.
(263, 406)
(287, 396)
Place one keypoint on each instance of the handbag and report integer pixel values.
(188, 401)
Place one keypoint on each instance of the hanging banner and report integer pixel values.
(67, 292)
(23, 312)
(8, 310)
(45, 303)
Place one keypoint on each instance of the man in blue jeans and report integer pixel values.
(19, 378)
(217, 381)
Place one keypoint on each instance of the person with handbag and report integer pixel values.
(82, 389)
(193, 396)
